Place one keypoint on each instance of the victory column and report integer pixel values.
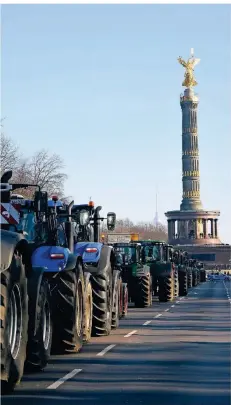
(191, 225)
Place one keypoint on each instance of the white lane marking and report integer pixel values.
(157, 316)
(195, 293)
(63, 379)
(181, 298)
(130, 333)
(166, 309)
(177, 302)
(146, 323)
(102, 353)
(172, 306)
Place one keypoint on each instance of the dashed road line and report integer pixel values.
(172, 306)
(157, 316)
(166, 310)
(130, 333)
(177, 302)
(146, 323)
(60, 381)
(102, 353)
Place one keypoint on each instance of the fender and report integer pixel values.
(34, 284)
(104, 263)
(88, 257)
(9, 241)
(41, 257)
(71, 262)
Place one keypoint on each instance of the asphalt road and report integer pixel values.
(173, 353)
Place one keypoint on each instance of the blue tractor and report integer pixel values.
(109, 294)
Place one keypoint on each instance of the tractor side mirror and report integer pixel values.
(40, 201)
(84, 217)
(111, 221)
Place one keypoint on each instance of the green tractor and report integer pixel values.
(135, 272)
(202, 272)
(159, 257)
(195, 272)
(180, 260)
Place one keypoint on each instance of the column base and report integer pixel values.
(190, 205)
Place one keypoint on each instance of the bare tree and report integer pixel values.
(145, 230)
(42, 169)
(9, 154)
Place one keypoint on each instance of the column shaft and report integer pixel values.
(169, 229)
(205, 228)
(212, 228)
(216, 231)
(196, 229)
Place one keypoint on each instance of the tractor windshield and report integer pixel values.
(126, 254)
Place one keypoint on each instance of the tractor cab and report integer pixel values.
(19, 214)
(89, 230)
(128, 253)
(156, 251)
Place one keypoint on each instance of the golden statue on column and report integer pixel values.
(189, 80)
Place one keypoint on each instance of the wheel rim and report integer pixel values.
(15, 321)
(88, 312)
(46, 325)
(79, 315)
(108, 303)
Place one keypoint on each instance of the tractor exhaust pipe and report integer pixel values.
(69, 229)
(97, 224)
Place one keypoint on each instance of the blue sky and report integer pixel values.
(100, 85)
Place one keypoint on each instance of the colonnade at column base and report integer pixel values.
(197, 227)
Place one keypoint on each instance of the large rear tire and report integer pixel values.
(116, 305)
(69, 316)
(166, 292)
(125, 300)
(189, 278)
(102, 303)
(143, 296)
(194, 278)
(183, 284)
(14, 323)
(39, 344)
(176, 283)
(203, 276)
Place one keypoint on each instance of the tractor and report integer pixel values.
(109, 295)
(193, 264)
(180, 259)
(159, 256)
(25, 295)
(202, 272)
(135, 273)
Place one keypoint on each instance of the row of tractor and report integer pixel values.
(61, 285)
